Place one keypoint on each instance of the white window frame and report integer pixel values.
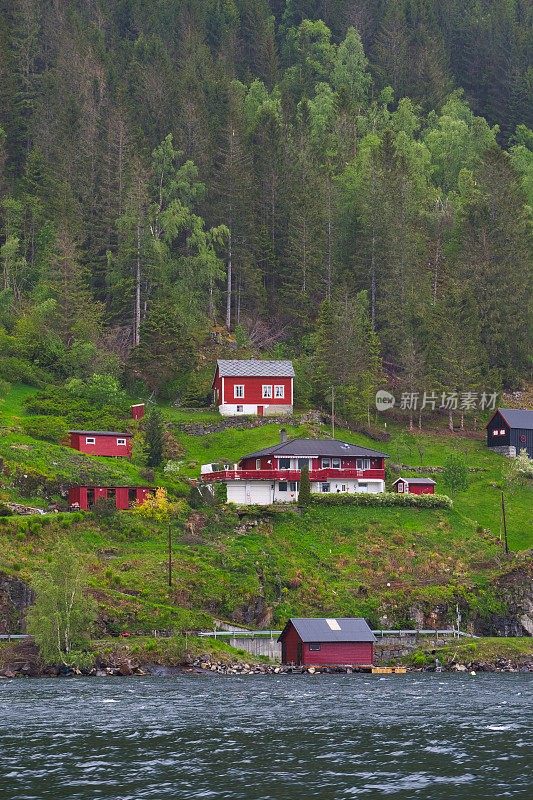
(90, 440)
(325, 463)
(285, 483)
(400, 487)
(267, 391)
(121, 442)
(238, 391)
(284, 458)
(495, 433)
(335, 466)
(364, 461)
(502, 431)
(258, 463)
(240, 409)
(323, 490)
(279, 392)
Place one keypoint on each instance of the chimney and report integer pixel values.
(283, 435)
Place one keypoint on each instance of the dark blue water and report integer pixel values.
(268, 737)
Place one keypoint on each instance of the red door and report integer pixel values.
(261, 410)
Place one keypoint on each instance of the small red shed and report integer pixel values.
(101, 443)
(347, 641)
(84, 497)
(414, 486)
(137, 411)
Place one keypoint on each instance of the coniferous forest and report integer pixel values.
(348, 183)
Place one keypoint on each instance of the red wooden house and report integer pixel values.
(84, 497)
(414, 486)
(327, 642)
(272, 475)
(101, 443)
(265, 388)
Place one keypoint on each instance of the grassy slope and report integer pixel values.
(336, 560)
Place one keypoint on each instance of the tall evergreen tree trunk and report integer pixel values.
(229, 282)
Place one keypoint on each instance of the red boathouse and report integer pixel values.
(341, 642)
(414, 486)
(101, 443)
(84, 497)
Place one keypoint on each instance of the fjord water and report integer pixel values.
(268, 737)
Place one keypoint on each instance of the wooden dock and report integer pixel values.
(389, 670)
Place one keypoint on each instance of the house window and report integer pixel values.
(303, 462)
(494, 433)
(238, 390)
(279, 391)
(343, 487)
(502, 432)
(324, 488)
(121, 442)
(293, 486)
(326, 462)
(258, 463)
(336, 463)
(363, 463)
(267, 392)
(282, 486)
(240, 409)
(314, 647)
(400, 487)
(90, 440)
(284, 463)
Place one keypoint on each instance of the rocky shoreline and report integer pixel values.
(129, 667)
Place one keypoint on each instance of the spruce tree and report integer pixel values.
(304, 495)
(154, 437)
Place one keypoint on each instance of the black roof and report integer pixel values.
(316, 447)
(414, 480)
(342, 629)
(517, 417)
(103, 433)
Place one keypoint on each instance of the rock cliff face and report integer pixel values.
(516, 588)
(15, 597)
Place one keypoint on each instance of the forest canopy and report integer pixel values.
(345, 182)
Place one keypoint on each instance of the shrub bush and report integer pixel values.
(104, 508)
(383, 499)
(49, 428)
(5, 511)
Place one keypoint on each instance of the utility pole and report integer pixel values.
(332, 412)
(169, 554)
(504, 520)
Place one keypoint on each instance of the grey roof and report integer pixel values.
(517, 417)
(255, 368)
(350, 629)
(316, 447)
(414, 480)
(103, 433)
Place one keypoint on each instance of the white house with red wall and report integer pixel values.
(265, 388)
(273, 475)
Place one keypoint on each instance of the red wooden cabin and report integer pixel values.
(101, 443)
(251, 386)
(414, 486)
(137, 411)
(84, 497)
(324, 642)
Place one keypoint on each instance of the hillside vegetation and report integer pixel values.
(396, 566)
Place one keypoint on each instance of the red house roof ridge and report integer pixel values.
(316, 447)
(415, 480)
(104, 433)
(255, 368)
(329, 629)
